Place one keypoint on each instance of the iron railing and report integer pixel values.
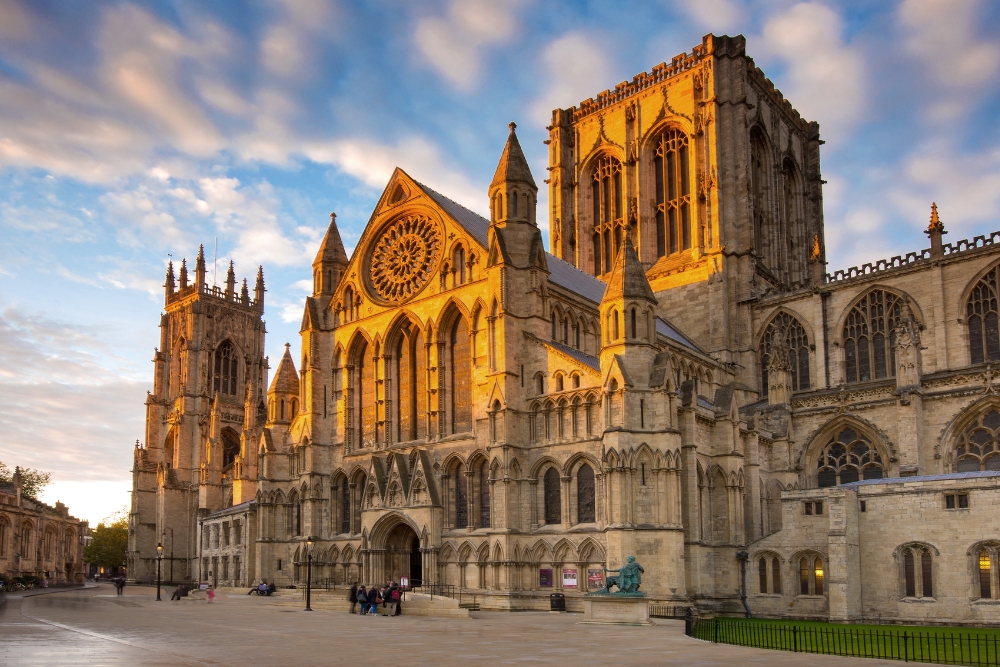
(945, 646)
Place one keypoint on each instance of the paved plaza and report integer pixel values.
(94, 627)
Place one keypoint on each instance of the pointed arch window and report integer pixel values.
(224, 367)
(461, 378)
(553, 497)
(982, 312)
(484, 495)
(345, 506)
(978, 445)
(796, 237)
(848, 458)
(673, 193)
(870, 336)
(585, 495)
(461, 498)
(798, 351)
(608, 214)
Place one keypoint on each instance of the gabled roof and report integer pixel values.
(513, 167)
(286, 379)
(577, 355)
(664, 328)
(561, 273)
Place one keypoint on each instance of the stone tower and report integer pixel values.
(203, 418)
(716, 173)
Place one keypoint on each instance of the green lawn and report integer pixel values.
(954, 646)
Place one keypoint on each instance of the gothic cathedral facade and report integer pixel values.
(677, 378)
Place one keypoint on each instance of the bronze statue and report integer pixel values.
(628, 579)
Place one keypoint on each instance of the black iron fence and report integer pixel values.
(945, 646)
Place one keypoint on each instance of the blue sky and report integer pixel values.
(132, 132)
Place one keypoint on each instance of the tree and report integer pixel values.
(33, 482)
(109, 541)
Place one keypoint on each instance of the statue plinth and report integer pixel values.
(616, 609)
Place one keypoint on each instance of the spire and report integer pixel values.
(258, 290)
(245, 294)
(184, 274)
(230, 281)
(199, 269)
(513, 167)
(286, 379)
(628, 278)
(935, 230)
(331, 260)
(169, 285)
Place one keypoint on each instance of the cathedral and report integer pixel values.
(677, 377)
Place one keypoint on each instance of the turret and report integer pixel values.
(513, 192)
(169, 285)
(184, 275)
(230, 282)
(283, 394)
(258, 290)
(199, 269)
(628, 308)
(330, 262)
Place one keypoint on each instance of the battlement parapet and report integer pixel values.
(678, 64)
(215, 291)
(899, 261)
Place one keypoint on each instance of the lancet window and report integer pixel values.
(461, 377)
(409, 386)
(797, 343)
(225, 366)
(673, 193)
(553, 497)
(869, 336)
(981, 311)
(849, 457)
(979, 444)
(585, 495)
(918, 580)
(461, 497)
(606, 192)
(484, 495)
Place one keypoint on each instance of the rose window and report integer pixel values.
(404, 258)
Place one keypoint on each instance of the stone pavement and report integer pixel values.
(93, 627)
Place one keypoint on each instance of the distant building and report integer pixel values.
(679, 379)
(38, 540)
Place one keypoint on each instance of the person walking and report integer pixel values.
(374, 600)
(120, 585)
(353, 597)
(363, 599)
(210, 594)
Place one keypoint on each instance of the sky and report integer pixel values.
(130, 133)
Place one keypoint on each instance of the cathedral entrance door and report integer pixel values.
(402, 554)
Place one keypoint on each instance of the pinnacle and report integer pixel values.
(513, 166)
(332, 248)
(628, 278)
(935, 225)
(286, 379)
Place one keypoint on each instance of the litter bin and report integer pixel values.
(557, 602)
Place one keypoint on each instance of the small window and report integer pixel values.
(864, 506)
(963, 501)
(809, 509)
(819, 507)
(956, 501)
(279, 565)
(949, 502)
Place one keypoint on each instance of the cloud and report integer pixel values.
(943, 36)
(63, 396)
(574, 68)
(825, 76)
(716, 15)
(453, 44)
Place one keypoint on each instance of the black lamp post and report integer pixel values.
(309, 563)
(159, 559)
(743, 557)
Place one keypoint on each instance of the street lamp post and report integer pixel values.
(159, 559)
(309, 562)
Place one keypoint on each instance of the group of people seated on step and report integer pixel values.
(263, 588)
(371, 598)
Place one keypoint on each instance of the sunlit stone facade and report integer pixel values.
(678, 379)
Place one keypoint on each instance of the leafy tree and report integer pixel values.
(33, 482)
(109, 541)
